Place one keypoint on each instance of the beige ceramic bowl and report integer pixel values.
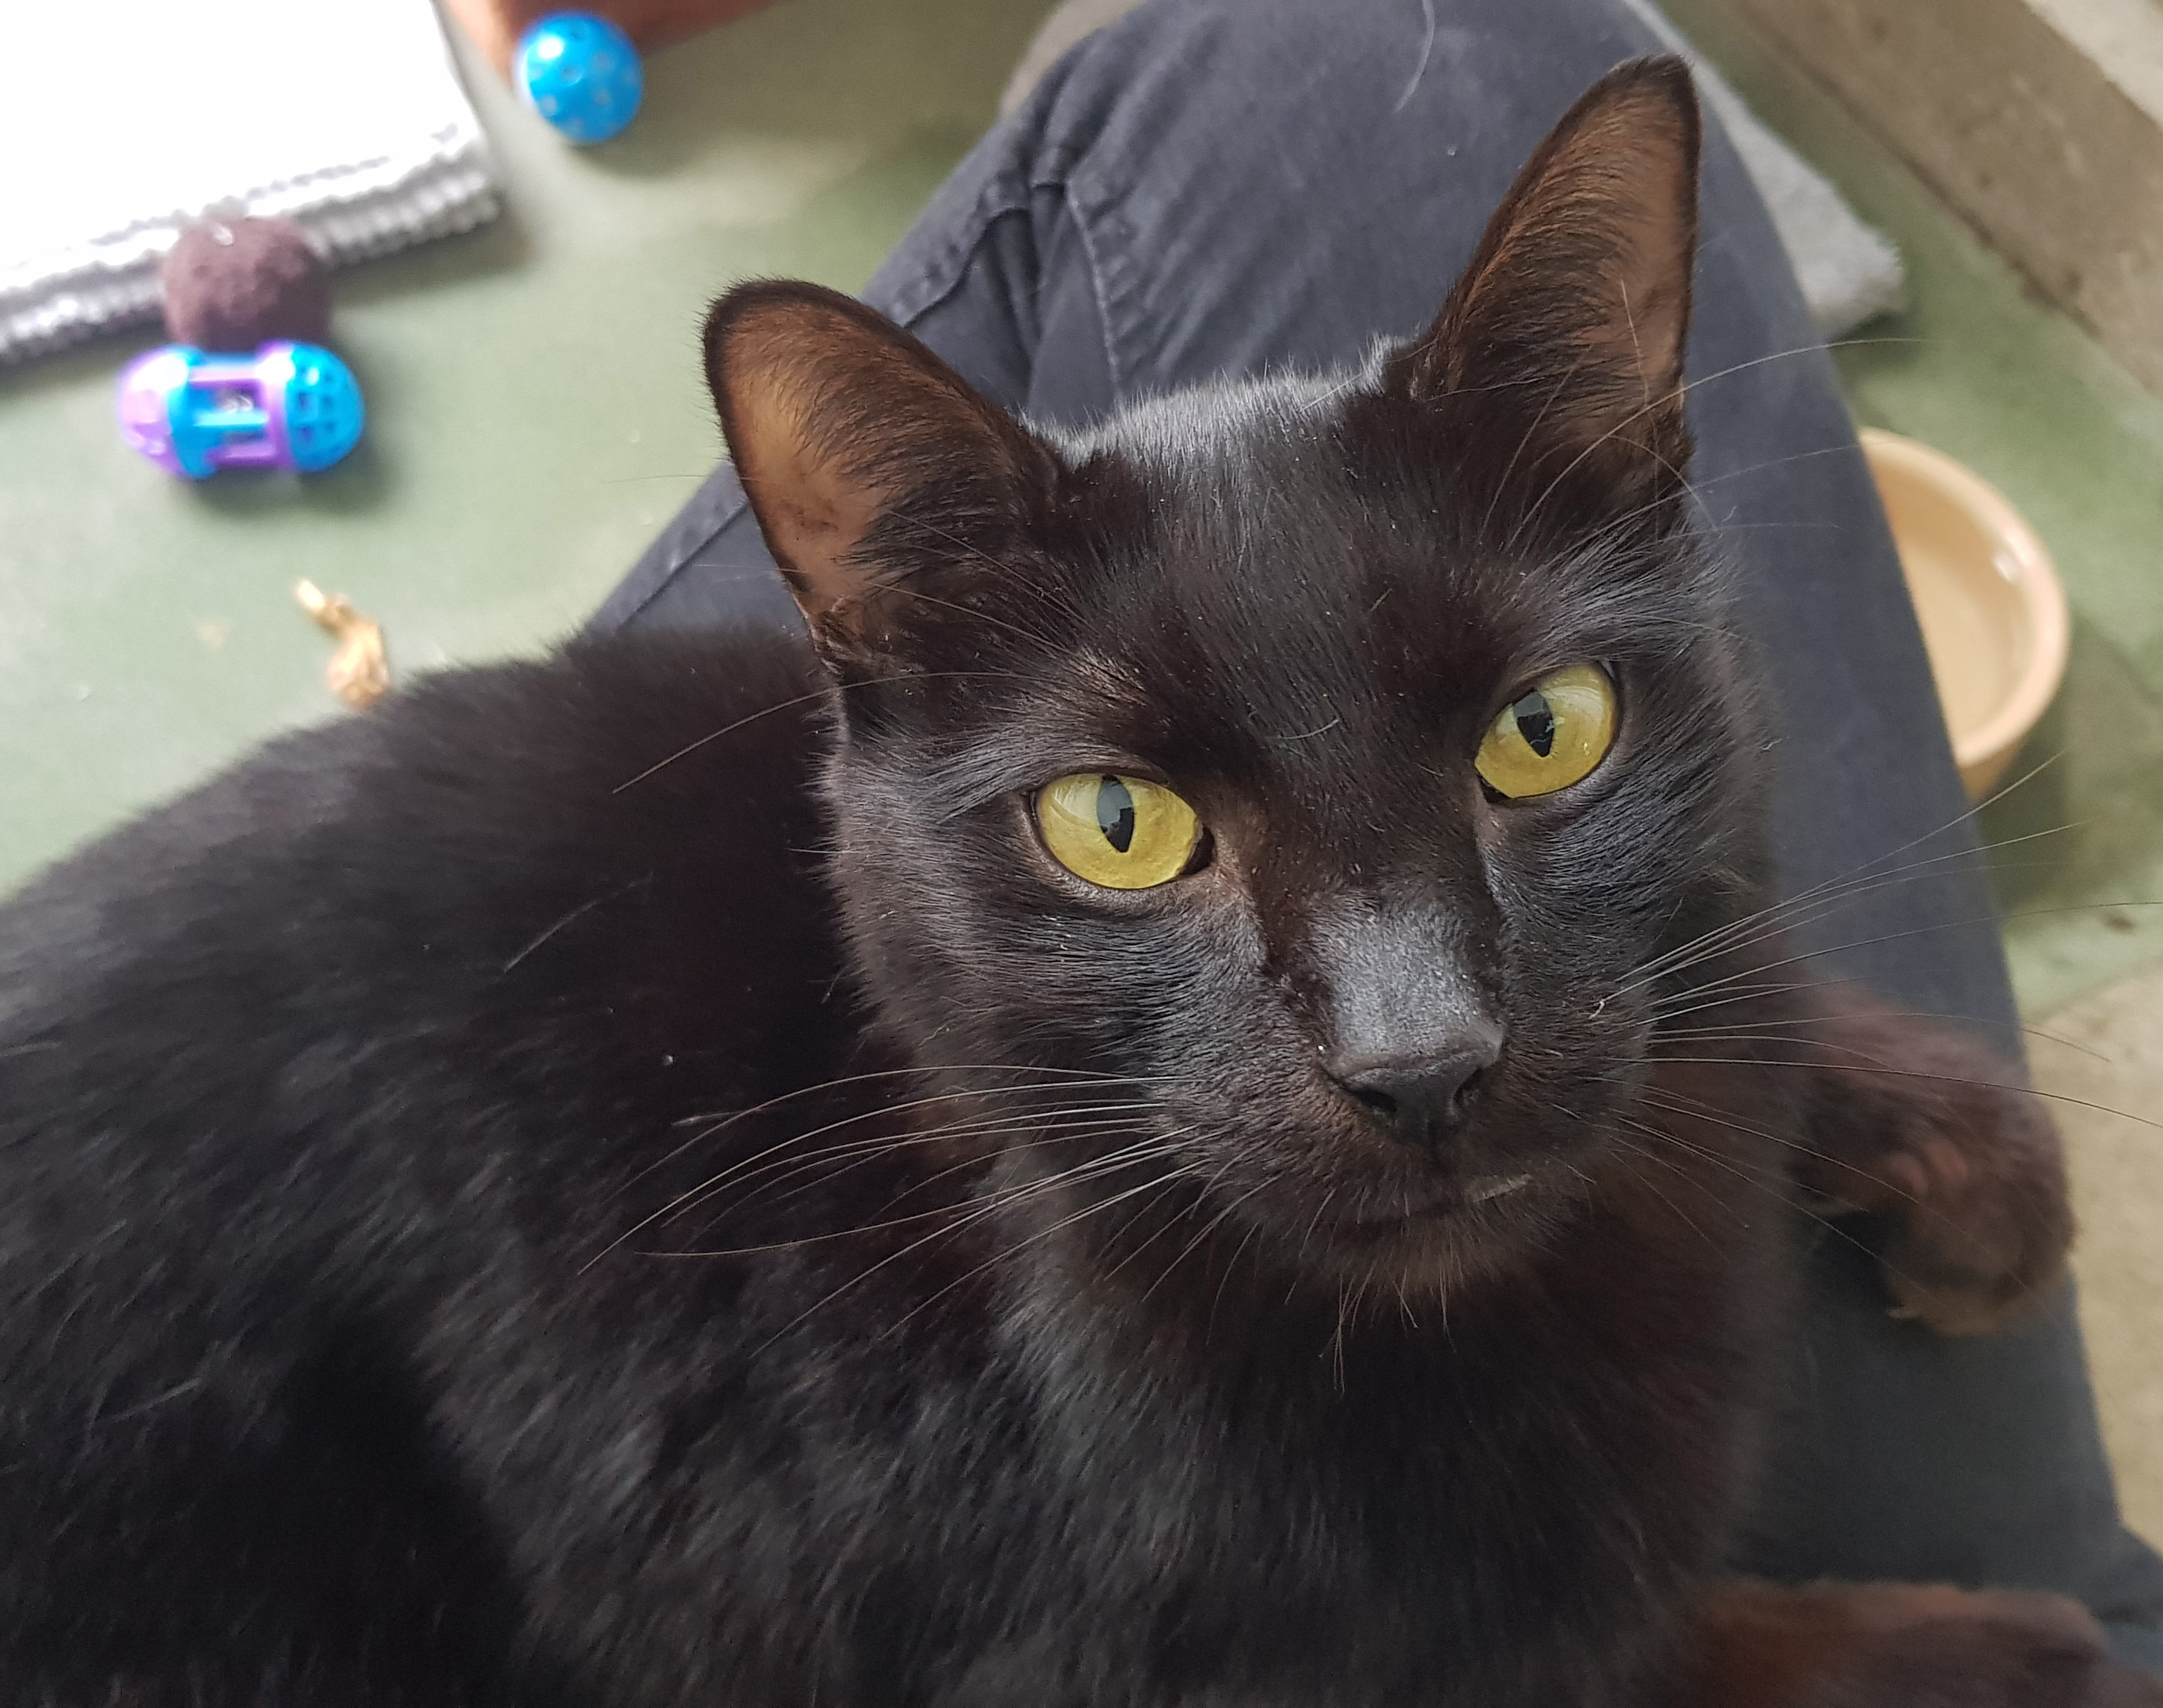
(1993, 614)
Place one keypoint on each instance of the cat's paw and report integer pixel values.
(1936, 1648)
(1917, 1123)
(1909, 1645)
(1972, 1187)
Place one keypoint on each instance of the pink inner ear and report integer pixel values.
(868, 462)
(1578, 294)
(778, 365)
(814, 405)
(814, 517)
(1631, 180)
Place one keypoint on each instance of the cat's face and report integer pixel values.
(1321, 764)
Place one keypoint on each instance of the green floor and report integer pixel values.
(536, 413)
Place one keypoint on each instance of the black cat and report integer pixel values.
(1187, 1108)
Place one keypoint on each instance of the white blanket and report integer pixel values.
(126, 120)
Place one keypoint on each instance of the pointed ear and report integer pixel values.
(871, 465)
(1573, 316)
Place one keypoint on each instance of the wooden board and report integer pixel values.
(2041, 121)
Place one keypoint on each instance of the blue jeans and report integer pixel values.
(1216, 187)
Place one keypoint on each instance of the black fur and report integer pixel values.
(522, 1198)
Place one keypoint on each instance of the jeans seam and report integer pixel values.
(1099, 282)
(940, 279)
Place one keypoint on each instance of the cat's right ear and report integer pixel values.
(879, 476)
(1567, 331)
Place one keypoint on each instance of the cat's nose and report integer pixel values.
(1421, 1098)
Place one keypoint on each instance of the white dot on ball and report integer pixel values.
(547, 104)
(602, 97)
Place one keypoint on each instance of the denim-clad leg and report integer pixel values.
(1214, 188)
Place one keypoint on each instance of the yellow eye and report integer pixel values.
(1552, 735)
(1122, 832)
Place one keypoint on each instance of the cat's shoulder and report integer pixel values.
(465, 824)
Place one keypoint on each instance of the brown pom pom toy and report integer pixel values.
(233, 284)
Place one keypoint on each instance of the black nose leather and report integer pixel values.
(1420, 1098)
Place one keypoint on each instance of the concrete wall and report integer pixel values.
(2041, 120)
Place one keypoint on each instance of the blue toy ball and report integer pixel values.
(581, 74)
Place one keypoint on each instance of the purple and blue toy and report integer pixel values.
(289, 406)
(580, 73)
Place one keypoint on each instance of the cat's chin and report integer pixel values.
(1456, 1204)
(1474, 1228)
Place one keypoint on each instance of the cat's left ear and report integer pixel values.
(875, 470)
(1567, 329)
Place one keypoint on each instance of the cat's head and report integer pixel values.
(1322, 761)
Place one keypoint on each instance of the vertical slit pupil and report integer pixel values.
(1115, 813)
(1536, 722)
